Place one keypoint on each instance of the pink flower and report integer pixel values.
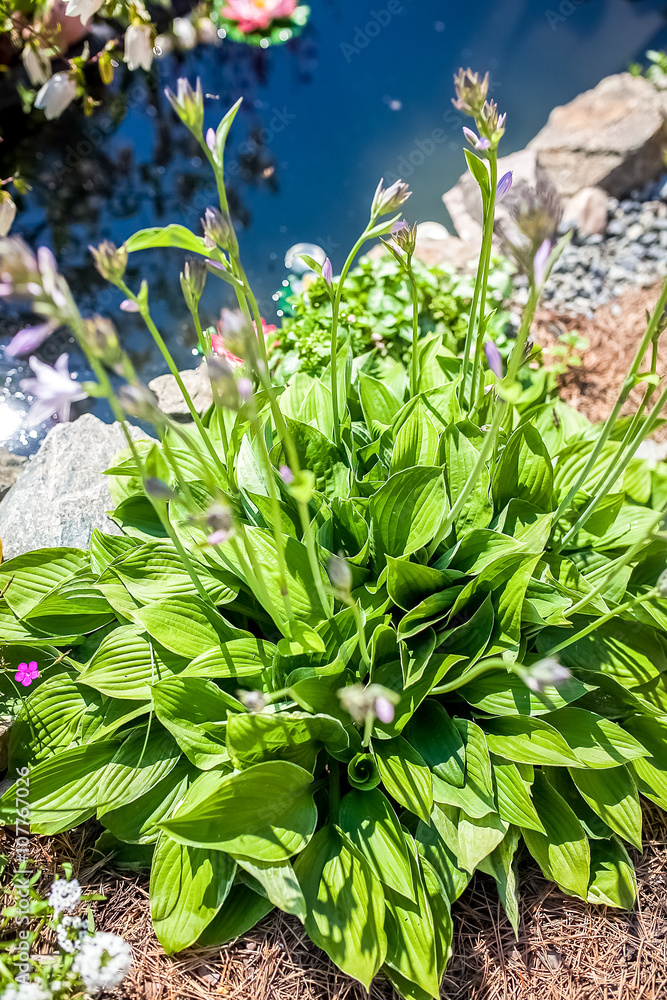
(27, 673)
(255, 15)
(220, 348)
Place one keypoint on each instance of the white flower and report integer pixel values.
(63, 896)
(25, 991)
(185, 31)
(139, 46)
(83, 9)
(7, 212)
(37, 64)
(54, 391)
(70, 932)
(103, 961)
(56, 94)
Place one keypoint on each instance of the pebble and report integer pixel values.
(631, 252)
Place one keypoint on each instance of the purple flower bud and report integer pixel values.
(210, 139)
(384, 710)
(504, 185)
(494, 361)
(128, 306)
(540, 262)
(483, 143)
(471, 136)
(546, 673)
(286, 474)
(30, 338)
(327, 272)
(244, 387)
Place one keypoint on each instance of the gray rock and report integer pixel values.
(10, 469)
(617, 227)
(611, 137)
(587, 211)
(170, 398)
(61, 496)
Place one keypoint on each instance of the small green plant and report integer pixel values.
(84, 963)
(362, 634)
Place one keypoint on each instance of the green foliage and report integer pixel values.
(318, 669)
(378, 302)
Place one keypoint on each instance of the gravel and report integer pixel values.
(631, 253)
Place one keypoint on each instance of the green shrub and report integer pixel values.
(360, 636)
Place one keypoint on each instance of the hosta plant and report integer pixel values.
(359, 636)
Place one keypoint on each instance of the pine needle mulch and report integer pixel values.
(566, 949)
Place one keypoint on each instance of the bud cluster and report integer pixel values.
(110, 261)
(388, 200)
(188, 105)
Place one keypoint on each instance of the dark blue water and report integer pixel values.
(365, 92)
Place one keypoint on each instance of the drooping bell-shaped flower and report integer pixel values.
(139, 46)
(56, 94)
(83, 9)
(36, 64)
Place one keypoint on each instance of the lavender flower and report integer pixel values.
(189, 106)
(504, 185)
(286, 474)
(384, 710)
(252, 701)
(53, 388)
(30, 338)
(64, 896)
(493, 358)
(374, 700)
(220, 523)
(327, 272)
(387, 200)
(103, 961)
(217, 228)
(471, 91)
(540, 262)
(475, 141)
(210, 139)
(545, 673)
(110, 261)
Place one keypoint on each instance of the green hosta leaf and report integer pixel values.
(369, 821)
(528, 741)
(613, 880)
(137, 517)
(36, 574)
(104, 549)
(48, 720)
(473, 636)
(127, 663)
(514, 802)
(475, 796)
(266, 813)
(294, 736)
(460, 458)
(138, 821)
(408, 583)
(319, 455)
(433, 735)
(428, 612)
(478, 549)
(391, 676)
(478, 837)
(188, 886)
(594, 827)
(378, 402)
(235, 658)
(75, 605)
(155, 571)
(63, 789)
(405, 775)
(524, 471)
(412, 954)
(145, 758)
(503, 693)
(167, 236)
(500, 865)
(345, 906)
(614, 798)
(408, 509)
(562, 853)
(416, 441)
(278, 882)
(650, 772)
(185, 625)
(595, 741)
(194, 711)
(437, 851)
(242, 909)
(480, 172)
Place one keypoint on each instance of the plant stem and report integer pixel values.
(471, 675)
(485, 453)
(415, 373)
(621, 609)
(487, 245)
(628, 385)
(361, 632)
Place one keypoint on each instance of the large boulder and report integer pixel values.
(610, 137)
(10, 468)
(61, 496)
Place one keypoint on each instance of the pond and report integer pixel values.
(363, 93)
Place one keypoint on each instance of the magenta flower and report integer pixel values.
(53, 388)
(540, 262)
(504, 185)
(27, 673)
(30, 338)
(255, 15)
(327, 271)
(493, 358)
(286, 474)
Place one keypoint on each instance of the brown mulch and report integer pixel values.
(612, 335)
(566, 949)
